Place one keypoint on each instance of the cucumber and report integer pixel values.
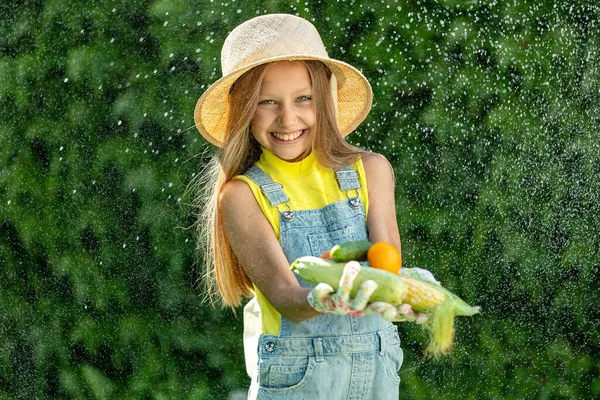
(390, 288)
(352, 250)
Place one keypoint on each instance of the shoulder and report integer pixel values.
(376, 165)
(234, 192)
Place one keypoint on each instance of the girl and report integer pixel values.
(286, 184)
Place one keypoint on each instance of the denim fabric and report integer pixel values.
(329, 356)
(359, 366)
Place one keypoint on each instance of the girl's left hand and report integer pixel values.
(402, 313)
(419, 273)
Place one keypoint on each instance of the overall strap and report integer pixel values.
(272, 190)
(347, 178)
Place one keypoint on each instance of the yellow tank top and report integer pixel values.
(309, 186)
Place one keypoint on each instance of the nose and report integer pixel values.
(287, 116)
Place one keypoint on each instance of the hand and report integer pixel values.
(419, 273)
(402, 313)
(323, 299)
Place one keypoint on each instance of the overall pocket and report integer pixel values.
(394, 356)
(320, 242)
(285, 372)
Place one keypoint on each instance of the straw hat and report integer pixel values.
(271, 38)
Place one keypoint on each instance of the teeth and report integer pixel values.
(287, 136)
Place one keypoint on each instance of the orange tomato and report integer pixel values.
(385, 256)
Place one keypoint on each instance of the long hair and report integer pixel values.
(224, 277)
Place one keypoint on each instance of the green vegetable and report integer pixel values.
(352, 250)
(442, 305)
(390, 288)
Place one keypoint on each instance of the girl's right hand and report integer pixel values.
(323, 299)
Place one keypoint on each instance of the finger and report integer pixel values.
(427, 276)
(363, 295)
(419, 273)
(320, 298)
(378, 307)
(351, 269)
(399, 318)
(322, 292)
(387, 311)
(405, 313)
(421, 318)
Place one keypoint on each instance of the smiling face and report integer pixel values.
(284, 117)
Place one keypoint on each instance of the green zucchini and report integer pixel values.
(390, 288)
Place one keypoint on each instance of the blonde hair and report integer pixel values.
(224, 277)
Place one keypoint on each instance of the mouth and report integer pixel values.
(288, 136)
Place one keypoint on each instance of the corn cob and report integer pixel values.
(421, 295)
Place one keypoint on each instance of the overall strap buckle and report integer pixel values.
(272, 190)
(348, 180)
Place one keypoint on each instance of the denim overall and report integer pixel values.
(329, 356)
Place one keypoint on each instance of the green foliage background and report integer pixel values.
(488, 110)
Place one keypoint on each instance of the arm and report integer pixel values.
(259, 252)
(381, 224)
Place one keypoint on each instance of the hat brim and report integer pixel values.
(355, 98)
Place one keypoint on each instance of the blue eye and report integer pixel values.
(266, 102)
(304, 98)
